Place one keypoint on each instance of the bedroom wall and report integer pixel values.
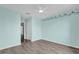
(28, 29)
(32, 28)
(63, 30)
(10, 30)
(36, 28)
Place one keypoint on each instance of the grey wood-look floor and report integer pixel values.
(40, 47)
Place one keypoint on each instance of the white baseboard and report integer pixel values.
(10, 46)
(33, 40)
(63, 44)
(36, 39)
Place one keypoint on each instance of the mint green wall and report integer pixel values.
(63, 30)
(9, 28)
(36, 28)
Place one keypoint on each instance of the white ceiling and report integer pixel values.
(32, 9)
